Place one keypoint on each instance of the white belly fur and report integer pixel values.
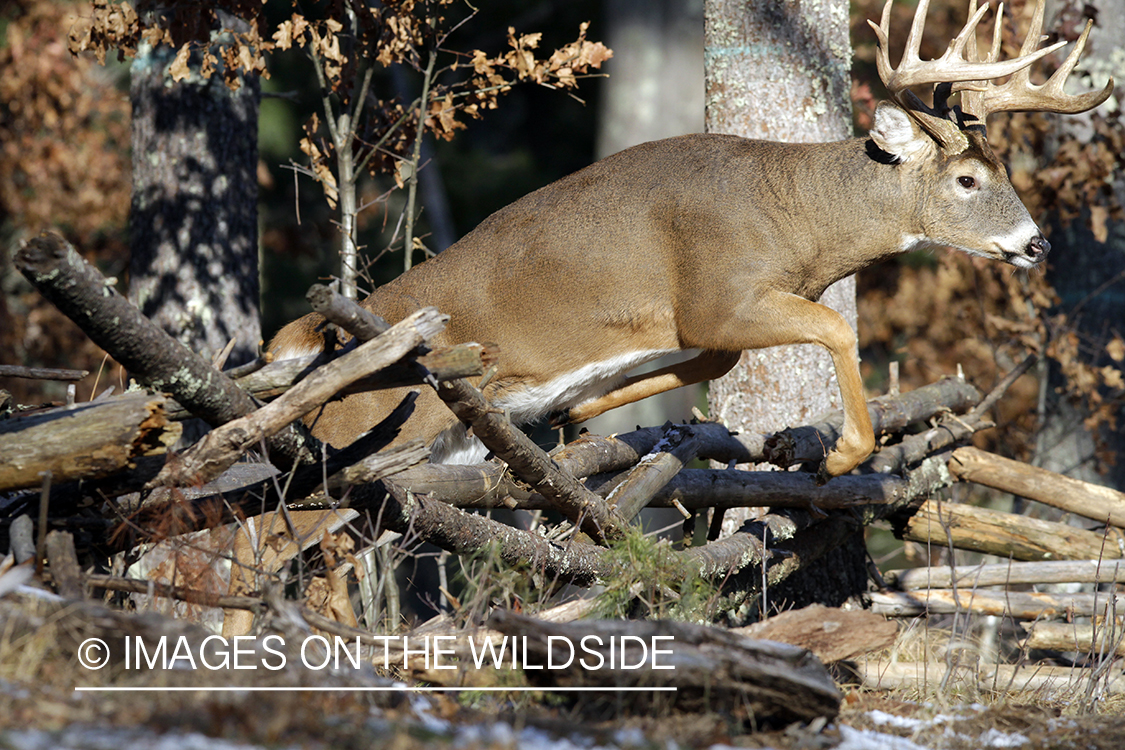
(529, 404)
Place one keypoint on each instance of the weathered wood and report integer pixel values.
(1008, 573)
(1008, 535)
(585, 509)
(1044, 681)
(41, 373)
(799, 537)
(63, 564)
(385, 463)
(712, 669)
(595, 454)
(1104, 640)
(84, 441)
(21, 538)
(485, 486)
(696, 489)
(1107, 639)
(948, 431)
(447, 363)
(346, 313)
(461, 533)
(181, 593)
(225, 444)
(1019, 605)
(153, 358)
(831, 634)
(630, 496)
(809, 443)
(1102, 504)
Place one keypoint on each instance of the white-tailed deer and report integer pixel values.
(717, 243)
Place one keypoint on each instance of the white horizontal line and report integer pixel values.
(361, 689)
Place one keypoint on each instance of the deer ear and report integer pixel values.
(896, 133)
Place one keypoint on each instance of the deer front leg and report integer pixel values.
(777, 318)
(707, 365)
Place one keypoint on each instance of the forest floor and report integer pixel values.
(40, 708)
(39, 717)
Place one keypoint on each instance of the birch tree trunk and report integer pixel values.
(780, 70)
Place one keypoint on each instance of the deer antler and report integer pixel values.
(960, 65)
(1019, 93)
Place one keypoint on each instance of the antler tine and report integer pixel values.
(971, 89)
(951, 67)
(1020, 94)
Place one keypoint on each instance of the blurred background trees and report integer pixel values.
(65, 165)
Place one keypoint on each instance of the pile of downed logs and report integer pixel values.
(103, 472)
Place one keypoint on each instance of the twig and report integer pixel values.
(416, 162)
(41, 373)
(180, 593)
(530, 463)
(344, 312)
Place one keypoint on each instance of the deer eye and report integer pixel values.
(967, 182)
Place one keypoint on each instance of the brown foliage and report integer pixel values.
(64, 131)
(400, 32)
(64, 164)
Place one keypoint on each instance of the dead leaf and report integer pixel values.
(179, 69)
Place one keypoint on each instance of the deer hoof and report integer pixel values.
(559, 418)
(822, 475)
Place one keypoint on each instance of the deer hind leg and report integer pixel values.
(706, 366)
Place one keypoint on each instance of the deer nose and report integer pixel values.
(1037, 249)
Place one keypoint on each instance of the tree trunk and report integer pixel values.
(781, 71)
(194, 266)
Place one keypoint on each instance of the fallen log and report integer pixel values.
(711, 669)
(84, 441)
(809, 443)
(222, 446)
(153, 358)
(1008, 535)
(1072, 637)
(1009, 573)
(634, 491)
(1101, 504)
(419, 517)
(1055, 682)
(448, 363)
(1019, 605)
(832, 634)
(949, 429)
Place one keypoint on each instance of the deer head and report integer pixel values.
(952, 139)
